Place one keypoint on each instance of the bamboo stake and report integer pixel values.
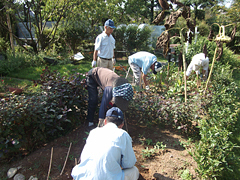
(66, 158)
(214, 57)
(185, 79)
(125, 121)
(50, 163)
(184, 65)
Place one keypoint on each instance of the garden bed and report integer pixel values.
(168, 163)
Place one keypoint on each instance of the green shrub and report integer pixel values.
(228, 56)
(29, 121)
(153, 109)
(19, 61)
(210, 116)
(72, 36)
(132, 39)
(214, 152)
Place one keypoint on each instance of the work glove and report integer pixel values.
(100, 122)
(147, 88)
(94, 63)
(113, 61)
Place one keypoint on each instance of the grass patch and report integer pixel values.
(33, 73)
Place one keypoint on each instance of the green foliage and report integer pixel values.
(2, 86)
(19, 61)
(209, 117)
(203, 28)
(29, 121)
(160, 145)
(147, 153)
(4, 45)
(149, 142)
(72, 35)
(132, 38)
(214, 152)
(228, 56)
(151, 109)
(185, 174)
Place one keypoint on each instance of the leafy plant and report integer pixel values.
(159, 145)
(2, 86)
(149, 142)
(185, 174)
(131, 38)
(28, 121)
(148, 152)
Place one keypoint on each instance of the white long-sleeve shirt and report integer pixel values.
(107, 151)
(197, 62)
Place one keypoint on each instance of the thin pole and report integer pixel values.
(184, 65)
(125, 121)
(214, 57)
(66, 158)
(50, 163)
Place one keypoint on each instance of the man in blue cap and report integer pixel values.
(103, 55)
(142, 62)
(108, 152)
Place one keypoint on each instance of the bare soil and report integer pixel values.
(164, 165)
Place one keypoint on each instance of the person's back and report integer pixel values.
(104, 76)
(108, 151)
(143, 59)
(101, 160)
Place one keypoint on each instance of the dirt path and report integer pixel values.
(166, 164)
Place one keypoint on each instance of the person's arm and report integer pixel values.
(107, 97)
(94, 62)
(113, 59)
(204, 74)
(144, 77)
(95, 55)
(128, 155)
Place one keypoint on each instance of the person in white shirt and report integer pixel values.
(198, 61)
(108, 152)
(103, 54)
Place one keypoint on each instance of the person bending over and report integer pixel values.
(142, 62)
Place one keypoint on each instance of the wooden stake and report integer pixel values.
(50, 163)
(66, 158)
(209, 76)
(125, 121)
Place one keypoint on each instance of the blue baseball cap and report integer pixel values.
(115, 112)
(109, 23)
(157, 67)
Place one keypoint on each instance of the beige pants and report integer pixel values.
(136, 73)
(104, 63)
(131, 173)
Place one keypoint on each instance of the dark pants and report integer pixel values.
(93, 98)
